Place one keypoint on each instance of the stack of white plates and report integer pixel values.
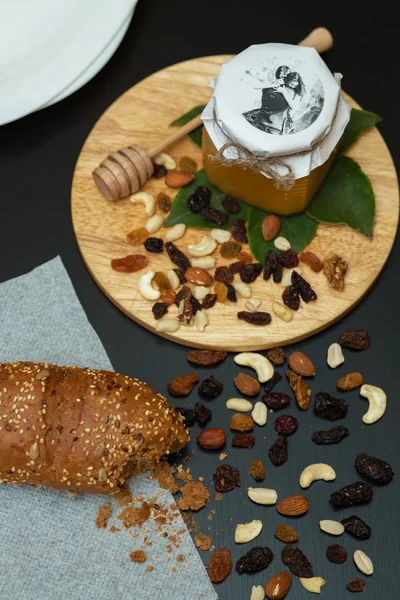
(51, 48)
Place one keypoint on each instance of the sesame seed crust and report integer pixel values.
(81, 429)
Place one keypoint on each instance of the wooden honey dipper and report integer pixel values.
(125, 171)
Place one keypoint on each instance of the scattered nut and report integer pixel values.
(282, 244)
(154, 223)
(335, 356)
(200, 292)
(258, 362)
(252, 305)
(350, 381)
(145, 287)
(316, 472)
(248, 531)
(212, 438)
(301, 364)
(282, 312)
(205, 247)
(262, 495)
(259, 413)
(331, 527)
(363, 562)
(199, 276)
(335, 269)
(293, 506)
(205, 262)
(146, 199)
(178, 179)
(247, 385)
(279, 585)
(166, 160)
(377, 403)
(173, 279)
(287, 278)
(257, 592)
(239, 404)
(175, 232)
(312, 584)
(242, 289)
(220, 235)
(201, 320)
(270, 227)
(167, 326)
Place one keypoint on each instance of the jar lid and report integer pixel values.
(278, 100)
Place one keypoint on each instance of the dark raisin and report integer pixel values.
(206, 357)
(276, 356)
(210, 387)
(336, 554)
(236, 267)
(355, 493)
(355, 339)
(188, 415)
(374, 468)
(255, 318)
(276, 400)
(255, 560)
(159, 309)
(209, 301)
(238, 229)
(286, 425)
(200, 199)
(297, 562)
(196, 305)
(355, 585)
(232, 297)
(223, 274)
(181, 275)
(226, 478)
(278, 273)
(271, 261)
(306, 292)
(269, 386)
(332, 436)
(291, 297)
(177, 257)
(288, 259)
(213, 215)
(243, 440)
(249, 273)
(357, 528)
(203, 414)
(153, 244)
(231, 205)
(159, 171)
(328, 407)
(183, 294)
(278, 452)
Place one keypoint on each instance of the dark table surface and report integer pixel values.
(38, 154)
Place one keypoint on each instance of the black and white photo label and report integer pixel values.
(291, 100)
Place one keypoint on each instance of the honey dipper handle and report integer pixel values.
(321, 39)
(174, 137)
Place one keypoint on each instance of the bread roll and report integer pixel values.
(81, 430)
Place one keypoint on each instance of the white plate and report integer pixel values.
(46, 44)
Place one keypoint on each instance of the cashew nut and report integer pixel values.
(173, 279)
(335, 356)
(287, 278)
(147, 199)
(239, 404)
(205, 262)
(220, 235)
(201, 320)
(154, 223)
(363, 562)
(242, 289)
(315, 472)
(167, 325)
(257, 592)
(259, 413)
(200, 292)
(377, 403)
(252, 304)
(245, 532)
(262, 495)
(282, 244)
(166, 160)
(312, 584)
(175, 232)
(145, 287)
(282, 312)
(258, 362)
(205, 247)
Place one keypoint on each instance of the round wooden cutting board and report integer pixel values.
(142, 115)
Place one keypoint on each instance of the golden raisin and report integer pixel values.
(161, 280)
(221, 291)
(230, 249)
(130, 263)
(241, 422)
(136, 237)
(187, 164)
(245, 257)
(310, 259)
(168, 296)
(164, 202)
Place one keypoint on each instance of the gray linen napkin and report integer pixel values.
(50, 548)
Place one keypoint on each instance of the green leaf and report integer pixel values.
(181, 214)
(360, 120)
(298, 229)
(346, 197)
(196, 134)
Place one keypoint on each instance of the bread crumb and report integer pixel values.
(123, 497)
(165, 478)
(132, 516)
(149, 569)
(138, 556)
(180, 558)
(103, 514)
(218, 496)
(223, 455)
(203, 542)
(195, 495)
(113, 529)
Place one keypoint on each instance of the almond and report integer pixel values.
(293, 506)
(199, 276)
(301, 364)
(279, 585)
(178, 179)
(270, 227)
(212, 438)
(247, 385)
